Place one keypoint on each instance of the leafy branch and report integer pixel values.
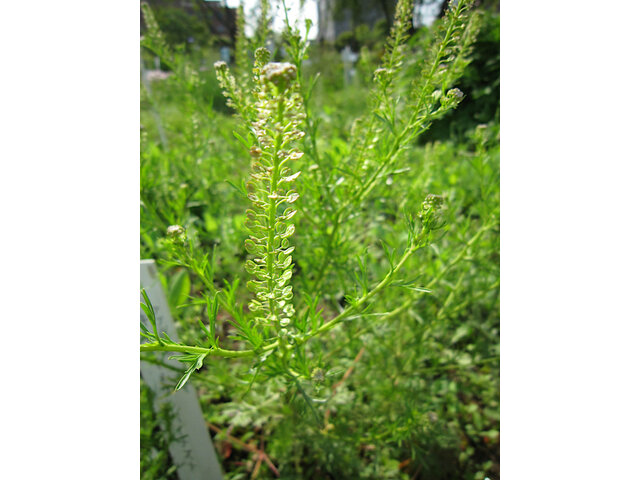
(274, 116)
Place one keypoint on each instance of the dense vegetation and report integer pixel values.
(371, 349)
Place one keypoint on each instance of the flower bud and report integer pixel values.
(433, 201)
(280, 74)
(452, 99)
(221, 66)
(430, 214)
(381, 75)
(455, 93)
(176, 233)
(262, 56)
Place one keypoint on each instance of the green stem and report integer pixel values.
(385, 281)
(155, 346)
(174, 347)
(400, 140)
(460, 255)
(271, 226)
(220, 352)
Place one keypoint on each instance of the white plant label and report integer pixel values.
(191, 449)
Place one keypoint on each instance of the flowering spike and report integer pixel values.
(279, 114)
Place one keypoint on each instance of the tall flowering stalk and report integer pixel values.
(272, 114)
(279, 114)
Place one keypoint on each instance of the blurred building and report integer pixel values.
(193, 18)
(339, 16)
(336, 17)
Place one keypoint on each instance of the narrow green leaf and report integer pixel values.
(150, 313)
(243, 141)
(196, 365)
(213, 314)
(241, 190)
(179, 288)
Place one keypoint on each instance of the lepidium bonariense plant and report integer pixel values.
(273, 117)
(397, 115)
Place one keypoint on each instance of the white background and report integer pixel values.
(69, 125)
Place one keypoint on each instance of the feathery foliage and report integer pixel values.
(343, 279)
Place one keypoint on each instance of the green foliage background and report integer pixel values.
(412, 394)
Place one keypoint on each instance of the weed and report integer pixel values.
(365, 342)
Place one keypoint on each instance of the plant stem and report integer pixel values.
(405, 136)
(385, 281)
(219, 352)
(174, 347)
